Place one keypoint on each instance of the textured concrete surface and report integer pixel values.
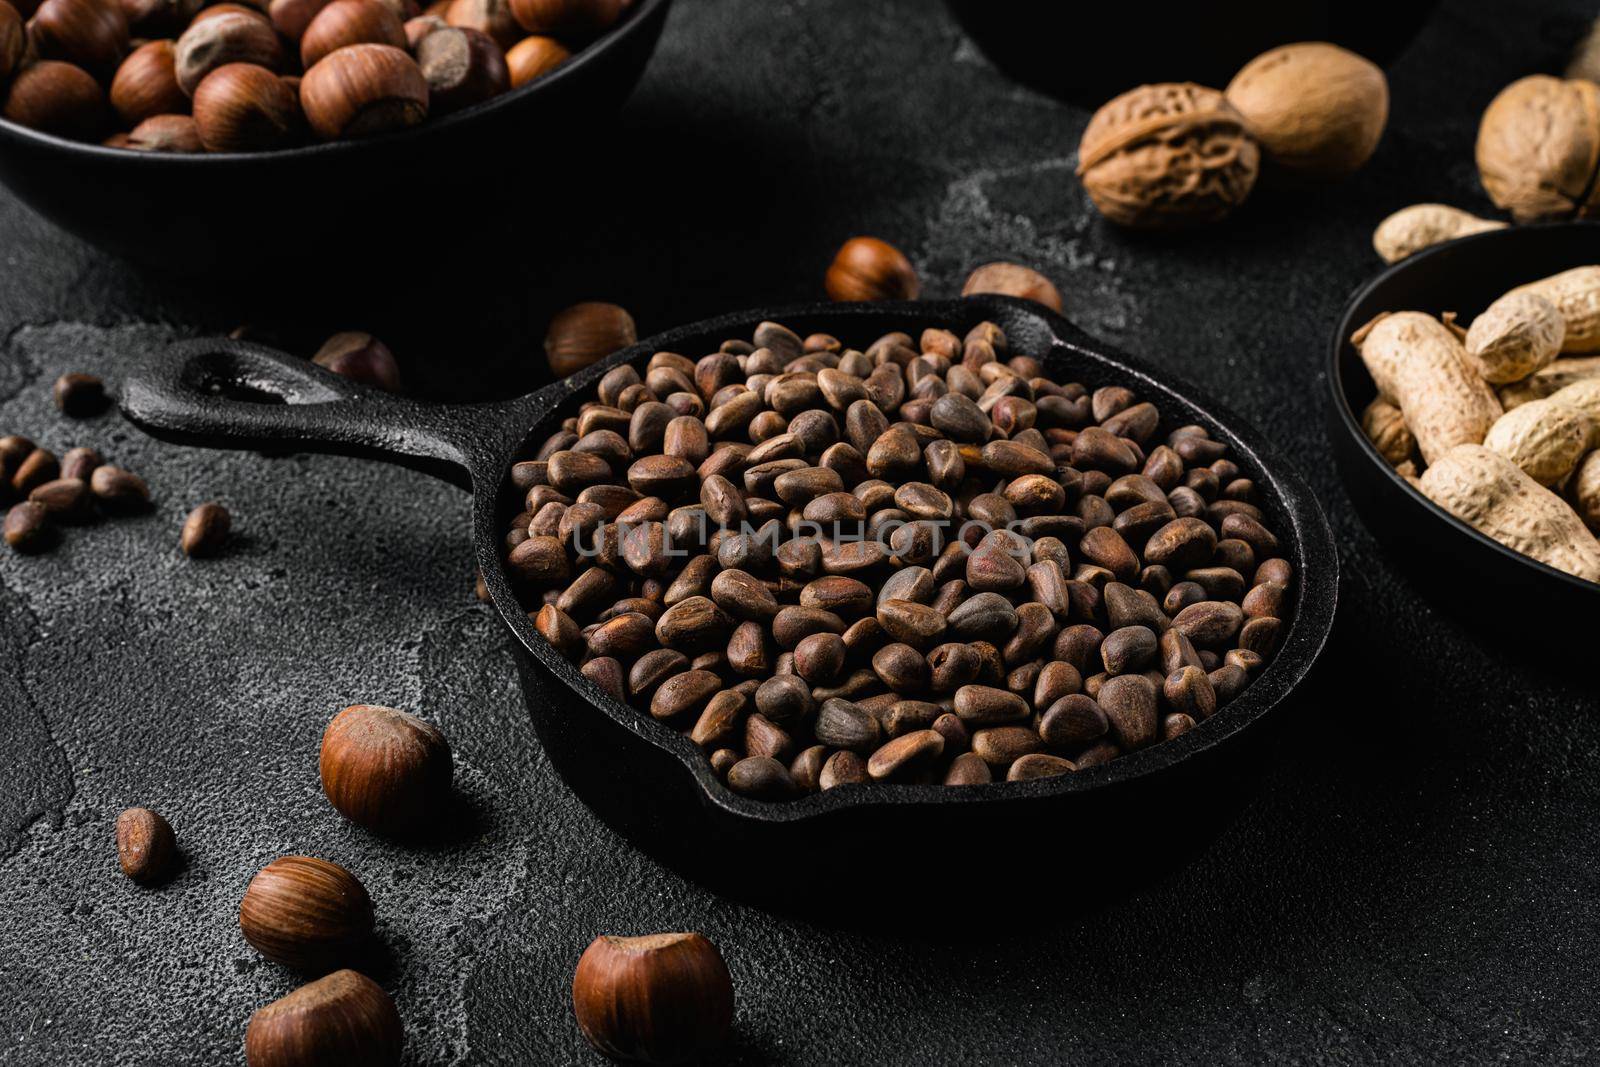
(1415, 882)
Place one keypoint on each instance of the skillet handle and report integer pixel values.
(222, 393)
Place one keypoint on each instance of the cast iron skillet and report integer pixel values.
(1457, 566)
(1121, 823)
(250, 212)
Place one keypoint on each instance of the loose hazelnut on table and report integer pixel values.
(146, 84)
(585, 333)
(58, 98)
(534, 57)
(216, 40)
(344, 1018)
(1013, 279)
(866, 268)
(347, 22)
(92, 34)
(385, 769)
(241, 107)
(291, 17)
(362, 90)
(1316, 109)
(306, 913)
(360, 357)
(662, 998)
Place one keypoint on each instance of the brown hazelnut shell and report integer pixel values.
(59, 98)
(165, 133)
(585, 333)
(534, 57)
(1167, 155)
(362, 90)
(343, 1018)
(217, 40)
(385, 769)
(306, 913)
(241, 107)
(147, 84)
(867, 268)
(662, 998)
(347, 22)
(92, 34)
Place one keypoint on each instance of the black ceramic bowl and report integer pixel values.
(251, 213)
(1456, 565)
(1091, 52)
(1123, 821)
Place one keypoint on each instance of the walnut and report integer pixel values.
(1317, 109)
(1167, 155)
(1538, 147)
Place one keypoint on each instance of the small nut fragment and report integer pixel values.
(306, 913)
(385, 769)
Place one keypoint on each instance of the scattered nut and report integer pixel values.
(866, 268)
(306, 913)
(661, 998)
(146, 847)
(27, 528)
(385, 769)
(206, 530)
(362, 90)
(344, 1018)
(586, 333)
(360, 357)
(1317, 110)
(1012, 279)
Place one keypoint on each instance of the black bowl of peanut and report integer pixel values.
(781, 640)
(1465, 418)
(193, 134)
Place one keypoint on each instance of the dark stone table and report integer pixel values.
(1417, 879)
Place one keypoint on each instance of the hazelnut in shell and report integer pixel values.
(490, 16)
(866, 268)
(306, 913)
(58, 98)
(159, 18)
(662, 998)
(343, 1018)
(420, 27)
(92, 34)
(347, 22)
(217, 40)
(147, 84)
(1167, 155)
(385, 769)
(586, 333)
(1316, 109)
(13, 41)
(241, 107)
(360, 357)
(463, 67)
(165, 133)
(534, 57)
(571, 20)
(362, 90)
(146, 846)
(1539, 146)
(291, 17)
(1013, 279)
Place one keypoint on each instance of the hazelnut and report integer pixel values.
(227, 9)
(241, 107)
(662, 998)
(13, 41)
(1316, 109)
(306, 913)
(159, 18)
(364, 89)
(92, 34)
(346, 22)
(1168, 155)
(463, 67)
(291, 17)
(417, 29)
(345, 1018)
(205, 531)
(57, 98)
(489, 16)
(146, 846)
(866, 268)
(385, 769)
(147, 84)
(1013, 279)
(404, 10)
(165, 133)
(1538, 146)
(567, 19)
(585, 333)
(534, 57)
(360, 357)
(218, 40)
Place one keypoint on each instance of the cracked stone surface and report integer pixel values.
(1415, 880)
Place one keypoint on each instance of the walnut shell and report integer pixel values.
(1538, 147)
(1167, 155)
(1316, 109)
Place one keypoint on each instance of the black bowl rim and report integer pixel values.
(633, 21)
(1308, 631)
(1351, 423)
